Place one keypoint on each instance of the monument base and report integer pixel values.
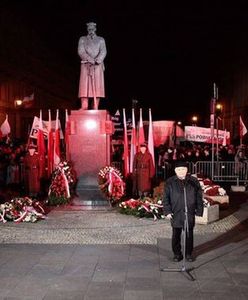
(90, 151)
(90, 196)
(210, 214)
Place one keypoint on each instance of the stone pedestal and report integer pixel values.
(89, 151)
(238, 188)
(210, 214)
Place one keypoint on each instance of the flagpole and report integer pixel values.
(150, 137)
(126, 163)
(212, 117)
(133, 142)
(141, 138)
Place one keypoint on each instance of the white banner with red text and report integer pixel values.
(35, 127)
(203, 135)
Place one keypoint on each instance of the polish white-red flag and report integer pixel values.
(133, 149)
(150, 137)
(125, 152)
(41, 148)
(50, 144)
(224, 138)
(57, 142)
(242, 127)
(141, 130)
(67, 133)
(5, 128)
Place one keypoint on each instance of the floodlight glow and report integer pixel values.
(90, 124)
(18, 102)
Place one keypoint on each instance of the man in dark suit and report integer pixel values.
(182, 189)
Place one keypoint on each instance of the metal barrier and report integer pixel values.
(226, 171)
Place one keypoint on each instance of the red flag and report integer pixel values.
(67, 133)
(5, 128)
(133, 142)
(150, 137)
(141, 130)
(172, 135)
(125, 153)
(41, 147)
(50, 144)
(224, 138)
(57, 141)
(242, 128)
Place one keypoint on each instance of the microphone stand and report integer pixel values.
(183, 268)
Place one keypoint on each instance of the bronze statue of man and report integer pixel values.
(92, 51)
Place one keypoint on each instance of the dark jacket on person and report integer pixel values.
(174, 203)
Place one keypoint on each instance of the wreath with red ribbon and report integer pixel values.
(111, 183)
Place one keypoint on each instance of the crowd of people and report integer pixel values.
(201, 152)
(12, 171)
(13, 160)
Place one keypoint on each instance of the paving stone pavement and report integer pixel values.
(107, 255)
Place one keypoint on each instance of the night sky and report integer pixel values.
(165, 53)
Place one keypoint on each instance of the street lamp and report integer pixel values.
(218, 108)
(18, 102)
(218, 112)
(194, 120)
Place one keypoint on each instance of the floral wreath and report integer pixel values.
(209, 189)
(146, 207)
(62, 182)
(21, 210)
(111, 183)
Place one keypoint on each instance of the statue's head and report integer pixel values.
(91, 27)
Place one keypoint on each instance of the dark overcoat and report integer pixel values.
(32, 177)
(174, 202)
(143, 171)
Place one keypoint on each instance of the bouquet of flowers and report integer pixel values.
(211, 189)
(111, 183)
(145, 207)
(21, 210)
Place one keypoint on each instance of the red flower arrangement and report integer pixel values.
(145, 207)
(210, 189)
(62, 180)
(111, 183)
(21, 210)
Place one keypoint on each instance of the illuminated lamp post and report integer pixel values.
(194, 120)
(18, 103)
(218, 112)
